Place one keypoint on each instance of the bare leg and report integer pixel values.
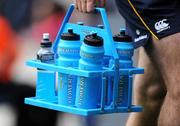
(166, 56)
(149, 92)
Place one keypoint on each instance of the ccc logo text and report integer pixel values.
(162, 25)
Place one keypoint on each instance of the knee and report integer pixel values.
(150, 86)
(151, 94)
(155, 91)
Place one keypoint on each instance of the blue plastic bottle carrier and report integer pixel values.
(94, 71)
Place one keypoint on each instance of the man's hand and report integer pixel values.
(88, 5)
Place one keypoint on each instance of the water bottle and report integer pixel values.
(45, 54)
(68, 52)
(89, 89)
(45, 79)
(125, 49)
(125, 52)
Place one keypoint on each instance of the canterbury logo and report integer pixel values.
(162, 25)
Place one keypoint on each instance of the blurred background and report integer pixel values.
(22, 23)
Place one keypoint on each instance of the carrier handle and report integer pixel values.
(66, 20)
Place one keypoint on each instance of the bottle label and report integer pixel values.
(120, 90)
(70, 89)
(122, 52)
(91, 56)
(65, 50)
(46, 58)
(81, 91)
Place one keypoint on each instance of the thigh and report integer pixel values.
(165, 54)
(149, 92)
(149, 87)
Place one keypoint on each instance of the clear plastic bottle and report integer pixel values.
(45, 54)
(45, 79)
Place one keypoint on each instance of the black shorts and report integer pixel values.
(146, 18)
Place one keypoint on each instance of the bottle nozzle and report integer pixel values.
(70, 30)
(101, 26)
(80, 23)
(46, 41)
(46, 36)
(122, 31)
(94, 34)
